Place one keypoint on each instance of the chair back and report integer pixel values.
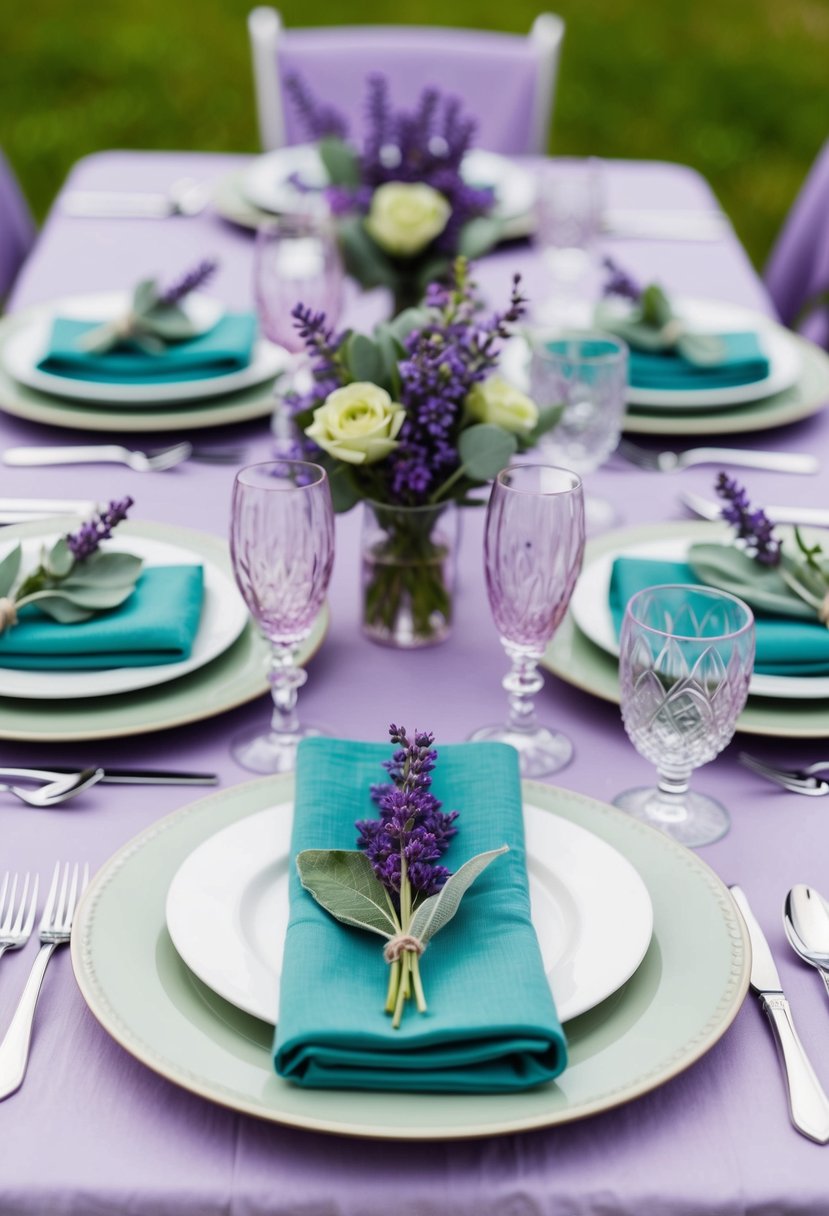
(506, 81)
(798, 270)
(17, 228)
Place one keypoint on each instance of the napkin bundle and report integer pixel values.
(741, 361)
(491, 1025)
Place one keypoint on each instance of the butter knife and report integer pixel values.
(808, 1104)
(117, 776)
(706, 508)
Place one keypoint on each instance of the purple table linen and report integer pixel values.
(715, 1141)
(17, 228)
(798, 268)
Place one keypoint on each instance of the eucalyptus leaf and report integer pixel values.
(655, 306)
(95, 598)
(485, 449)
(60, 559)
(364, 359)
(144, 296)
(343, 882)
(407, 321)
(436, 911)
(762, 587)
(391, 352)
(106, 570)
(10, 568)
(65, 612)
(340, 161)
(344, 493)
(363, 259)
(479, 236)
(171, 322)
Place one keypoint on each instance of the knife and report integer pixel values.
(817, 517)
(117, 776)
(808, 1104)
(46, 506)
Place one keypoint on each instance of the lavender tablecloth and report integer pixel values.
(92, 1131)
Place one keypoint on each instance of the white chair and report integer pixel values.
(507, 81)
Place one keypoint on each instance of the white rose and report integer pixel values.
(357, 423)
(496, 401)
(405, 216)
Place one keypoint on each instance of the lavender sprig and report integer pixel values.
(189, 282)
(86, 541)
(753, 526)
(620, 283)
(320, 121)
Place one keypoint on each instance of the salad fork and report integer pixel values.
(100, 453)
(795, 780)
(55, 930)
(670, 462)
(15, 921)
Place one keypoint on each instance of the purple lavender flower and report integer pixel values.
(191, 281)
(320, 121)
(754, 527)
(83, 543)
(412, 826)
(620, 283)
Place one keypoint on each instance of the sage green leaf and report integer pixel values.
(730, 569)
(343, 882)
(340, 161)
(64, 611)
(9, 569)
(407, 321)
(344, 493)
(106, 569)
(391, 352)
(655, 306)
(479, 236)
(60, 558)
(363, 259)
(436, 911)
(485, 449)
(97, 599)
(703, 350)
(364, 359)
(144, 296)
(170, 322)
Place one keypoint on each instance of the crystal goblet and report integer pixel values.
(533, 547)
(282, 548)
(685, 661)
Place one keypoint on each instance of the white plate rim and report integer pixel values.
(591, 612)
(205, 898)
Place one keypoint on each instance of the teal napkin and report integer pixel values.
(785, 647)
(156, 624)
(744, 363)
(491, 1025)
(227, 347)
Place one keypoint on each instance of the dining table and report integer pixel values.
(92, 1130)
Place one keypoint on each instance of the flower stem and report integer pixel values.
(401, 992)
(418, 985)
(394, 981)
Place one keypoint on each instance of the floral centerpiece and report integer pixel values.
(410, 420)
(403, 208)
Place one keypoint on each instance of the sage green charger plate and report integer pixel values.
(681, 1000)
(575, 659)
(809, 395)
(236, 676)
(24, 402)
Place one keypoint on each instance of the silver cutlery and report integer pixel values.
(17, 917)
(58, 790)
(116, 776)
(706, 508)
(670, 462)
(795, 780)
(29, 510)
(676, 225)
(808, 1104)
(806, 921)
(185, 197)
(100, 453)
(55, 930)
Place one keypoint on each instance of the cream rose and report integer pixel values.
(496, 401)
(405, 216)
(357, 423)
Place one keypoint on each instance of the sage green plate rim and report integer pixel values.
(24, 402)
(808, 396)
(575, 659)
(231, 679)
(677, 1005)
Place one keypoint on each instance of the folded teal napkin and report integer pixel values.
(785, 647)
(491, 1025)
(227, 347)
(156, 624)
(744, 362)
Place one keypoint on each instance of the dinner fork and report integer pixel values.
(15, 920)
(101, 453)
(795, 780)
(670, 462)
(55, 930)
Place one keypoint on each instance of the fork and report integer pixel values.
(670, 462)
(16, 924)
(107, 453)
(796, 780)
(55, 930)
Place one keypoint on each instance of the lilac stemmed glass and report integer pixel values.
(282, 547)
(297, 261)
(685, 660)
(533, 547)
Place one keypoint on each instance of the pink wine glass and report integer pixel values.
(533, 547)
(297, 261)
(282, 548)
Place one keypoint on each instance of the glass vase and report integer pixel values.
(408, 573)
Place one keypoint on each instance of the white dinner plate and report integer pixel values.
(267, 183)
(706, 316)
(223, 618)
(591, 612)
(26, 346)
(227, 910)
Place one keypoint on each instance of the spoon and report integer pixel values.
(806, 921)
(56, 792)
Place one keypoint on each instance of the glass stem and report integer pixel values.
(522, 684)
(671, 790)
(285, 679)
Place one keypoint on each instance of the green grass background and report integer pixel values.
(736, 88)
